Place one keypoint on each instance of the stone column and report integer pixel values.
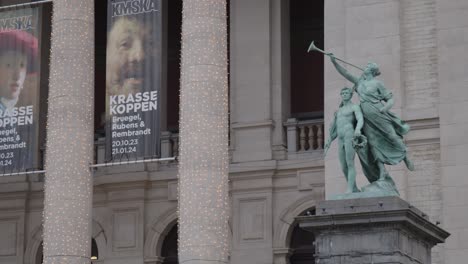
(203, 167)
(69, 183)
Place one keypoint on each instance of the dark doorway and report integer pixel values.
(302, 244)
(307, 73)
(94, 251)
(169, 250)
(40, 254)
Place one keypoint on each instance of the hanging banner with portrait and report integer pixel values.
(133, 79)
(20, 30)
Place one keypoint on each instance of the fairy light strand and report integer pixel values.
(68, 181)
(203, 167)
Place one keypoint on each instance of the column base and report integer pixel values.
(68, 260)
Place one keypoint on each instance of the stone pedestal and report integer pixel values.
(372, 230)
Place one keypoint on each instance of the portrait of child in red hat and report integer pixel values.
(18, 59)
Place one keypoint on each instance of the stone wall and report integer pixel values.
(452, 41)
(421, 47)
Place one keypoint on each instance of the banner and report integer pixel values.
(20, 31)
(133, 79)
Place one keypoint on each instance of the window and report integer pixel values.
(307, 71)
(174, 30)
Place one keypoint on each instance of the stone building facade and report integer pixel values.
(277, 169)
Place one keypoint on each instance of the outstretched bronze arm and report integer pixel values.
(314, 48)
(343, 71)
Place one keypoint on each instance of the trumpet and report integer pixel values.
(312, 47)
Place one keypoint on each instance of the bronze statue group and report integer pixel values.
(368, 129)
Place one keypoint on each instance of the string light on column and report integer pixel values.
(68, 183)
(204, 161)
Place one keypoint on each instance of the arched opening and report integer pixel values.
(169, 250)
(302, 243)
(40, 254)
